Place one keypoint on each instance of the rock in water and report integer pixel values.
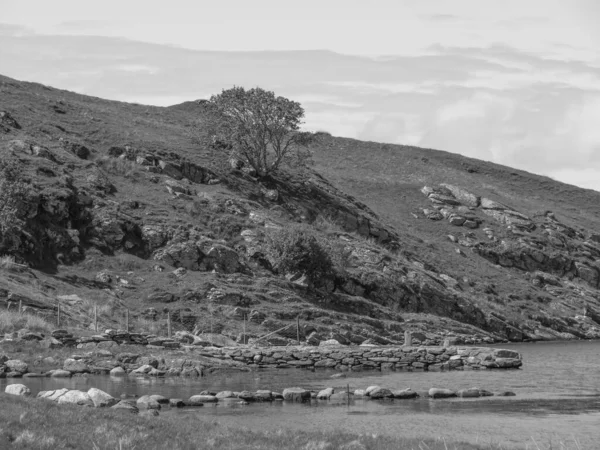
(441, 393)
(199, 400)
(404, 394)
(325, 394)
(296, 394)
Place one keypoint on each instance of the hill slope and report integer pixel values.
(126, 212)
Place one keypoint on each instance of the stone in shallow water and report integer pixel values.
(404, 394)
(296, 394)
(441, 393)
(325, 394)
(199, 400)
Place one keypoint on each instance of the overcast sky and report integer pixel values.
(514, 82)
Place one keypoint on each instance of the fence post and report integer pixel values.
(348, 395)
(407, 338)
(96, 318)
(58, 315)
(244, 329)
(8, 305)
(127, 320)
(298, 329)
(20, 306)
(169, 325)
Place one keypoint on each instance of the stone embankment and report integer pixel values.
(371, 358)
(202, 360)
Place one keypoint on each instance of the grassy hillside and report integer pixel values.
(126, 211)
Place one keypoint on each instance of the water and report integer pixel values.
(557, 402)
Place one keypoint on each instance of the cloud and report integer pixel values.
(7, 29)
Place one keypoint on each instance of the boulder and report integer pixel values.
(465, 197)
(79, 150)
(441, 393)
(176, 403)
(126, 405)
(296, 394)
(325, 394)
(8, 121)
(247, 396)
(379, 393)
(328, 342)
(76, 397)
(199, 400)
(118, 372)
(225, 394)
(75, 366)
(147, 402)
(456, 220)
(183, 254)
(52, 395)
(18, 389)
(101, 399)
(222, 259)
(59, 373)
(171, 170)
(486, 203)
(16, 365)
(176, 188)
(263, 396)
(404, 394)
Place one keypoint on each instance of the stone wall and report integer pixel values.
(371, 358)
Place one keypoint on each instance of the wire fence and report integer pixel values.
(216, 324)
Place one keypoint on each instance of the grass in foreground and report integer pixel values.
(27, 423)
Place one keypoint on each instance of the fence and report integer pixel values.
(209, 322)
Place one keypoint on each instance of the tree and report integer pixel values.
(259, 128)
(13, 193)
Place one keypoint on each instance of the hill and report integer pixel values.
(127, 216)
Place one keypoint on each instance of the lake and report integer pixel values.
(557, 402)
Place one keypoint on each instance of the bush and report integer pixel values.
(13, 196)
(295, 249)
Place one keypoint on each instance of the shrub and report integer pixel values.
(295, 249)
(13, 196)
(8, 263)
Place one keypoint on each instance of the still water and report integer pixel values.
(557, 403)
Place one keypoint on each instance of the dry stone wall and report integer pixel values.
(371, 358)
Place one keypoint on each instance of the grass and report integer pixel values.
(27, 423)
(118, 166)
(13, 321)
(8, 263)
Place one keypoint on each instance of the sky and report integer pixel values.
(514, 82)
